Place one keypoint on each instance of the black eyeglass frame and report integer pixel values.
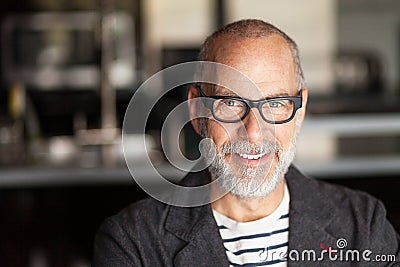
(209, 103)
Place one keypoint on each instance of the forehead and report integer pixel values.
(248, 93)
(267, 62)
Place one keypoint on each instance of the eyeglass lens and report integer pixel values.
(234, 109)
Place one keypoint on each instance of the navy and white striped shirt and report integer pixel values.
(262, 242)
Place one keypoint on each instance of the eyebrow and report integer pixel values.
(232, 94)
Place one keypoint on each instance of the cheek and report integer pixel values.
(285, 134)
(218, 132)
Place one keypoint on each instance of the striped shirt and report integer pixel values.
(263, 242)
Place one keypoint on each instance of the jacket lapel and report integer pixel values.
(310, 213)
(197, 227)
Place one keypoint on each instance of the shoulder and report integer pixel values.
(133, 236)
(342, 211)
(138, 216)
(325, 193)
(147, 220)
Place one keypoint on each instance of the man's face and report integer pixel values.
(253, 151)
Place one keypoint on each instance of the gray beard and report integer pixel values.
(252, 182)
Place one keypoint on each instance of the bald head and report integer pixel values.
(231, 35)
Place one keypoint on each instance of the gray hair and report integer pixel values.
(252, 28)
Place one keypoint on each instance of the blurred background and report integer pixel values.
(69, 69)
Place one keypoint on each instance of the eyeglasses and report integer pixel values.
(230, 109)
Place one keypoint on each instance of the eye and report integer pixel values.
(276, 104)
(232, 103)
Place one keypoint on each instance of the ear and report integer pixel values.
(301, 113)
(194, 108)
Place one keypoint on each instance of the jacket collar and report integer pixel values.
(309, 215)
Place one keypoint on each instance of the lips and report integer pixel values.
(252, 156)
(251, 160)
(242, 153)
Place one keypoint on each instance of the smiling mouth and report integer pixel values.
(251, 160)
(252, 156)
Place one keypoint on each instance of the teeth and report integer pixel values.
(248, 156)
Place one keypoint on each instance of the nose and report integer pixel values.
(252, 127)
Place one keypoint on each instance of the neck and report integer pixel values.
(249, 209)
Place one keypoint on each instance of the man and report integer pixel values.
(271, 214)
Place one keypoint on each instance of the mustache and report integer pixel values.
(246, 147)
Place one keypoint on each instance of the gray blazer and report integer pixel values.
(150, 233)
